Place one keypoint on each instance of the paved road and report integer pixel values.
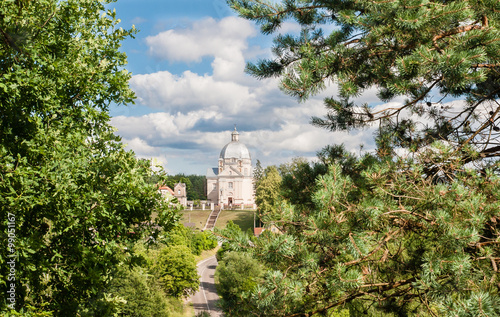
(206, 298)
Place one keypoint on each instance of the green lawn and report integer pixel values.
(243, 218)
(198, 217)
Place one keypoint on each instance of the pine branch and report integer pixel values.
(388, 236)
(347, 299)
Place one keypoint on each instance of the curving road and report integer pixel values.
(206, 298)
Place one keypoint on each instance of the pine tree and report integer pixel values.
(389, 236)
(425, 51)
(386, 241)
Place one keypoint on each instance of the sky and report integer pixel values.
(187, 64)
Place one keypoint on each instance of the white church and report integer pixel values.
(231, 183)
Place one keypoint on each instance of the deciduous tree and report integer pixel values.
(176, 268)
(236, 277)
(70, 191)
(267, 192)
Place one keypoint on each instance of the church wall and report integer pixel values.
(247, 191)
(212, 190)
(238, 192)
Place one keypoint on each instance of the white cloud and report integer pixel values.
(196, 111)
(225, 41)
(143, 150)
(163, 90)
(171, 138)
(140, 146)
(161, 125)
(302, 139)
(207, 37)
(290, 27)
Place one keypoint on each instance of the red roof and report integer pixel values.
(162, 188)
(257, 231)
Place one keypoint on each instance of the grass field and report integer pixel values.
(198, 217)
(243, 218)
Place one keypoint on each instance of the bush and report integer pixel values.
(142, 293)
(236, 276)
(196, 241)
(176, 269)
(203, 241)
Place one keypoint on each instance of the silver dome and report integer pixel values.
(234, 149)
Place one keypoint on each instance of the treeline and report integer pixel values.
(196, 185)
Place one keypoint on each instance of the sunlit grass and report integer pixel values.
(243, 218)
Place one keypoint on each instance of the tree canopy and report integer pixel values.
(71, 197)
(414, 235)
(267, 193)
(236, 276)
(176, 267)
(425, 51)
(381, 240)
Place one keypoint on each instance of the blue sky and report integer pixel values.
(188, 63)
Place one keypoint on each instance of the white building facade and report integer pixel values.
(231, 183)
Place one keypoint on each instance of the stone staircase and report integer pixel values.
(212, 219)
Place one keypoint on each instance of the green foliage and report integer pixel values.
(142, 294)
(176, 269)
(299, 180)
(258, 173)
(199, 190)
(418, 50)
(233, 239)
(387, 235)
(267, 191)
(196, 241)
(236, 277)
(76, 197)
(195, 185)
(138, 287)
(203, 241)
(30, 311)
(386, 242)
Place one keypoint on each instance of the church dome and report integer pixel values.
(234, 149)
